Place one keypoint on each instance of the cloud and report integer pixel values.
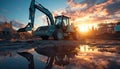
(112, 8)
(17, 24)
(3, 19)
(91, 11)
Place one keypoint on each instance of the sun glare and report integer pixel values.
(84, 28)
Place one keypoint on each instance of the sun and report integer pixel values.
(84, 28)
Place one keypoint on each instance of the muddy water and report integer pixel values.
(76, 57)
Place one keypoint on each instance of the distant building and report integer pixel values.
(6, 30)
(106, 28)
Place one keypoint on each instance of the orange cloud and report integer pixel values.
(91, 11)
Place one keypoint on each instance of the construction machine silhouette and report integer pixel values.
(59, 29)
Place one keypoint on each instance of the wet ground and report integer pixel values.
(53, 55)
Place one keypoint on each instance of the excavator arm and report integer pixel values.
(32, 9)
(46, 12)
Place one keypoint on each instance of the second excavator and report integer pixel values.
(59, 29)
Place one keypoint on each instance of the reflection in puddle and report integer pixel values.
(29, 57)
(95, 57)
(64, 57)
(87, 48)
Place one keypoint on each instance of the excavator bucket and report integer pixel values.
(21, 30)
(28, 27)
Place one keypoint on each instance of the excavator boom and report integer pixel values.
(32, 9)
(46, 12)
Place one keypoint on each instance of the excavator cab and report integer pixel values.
(62, 22)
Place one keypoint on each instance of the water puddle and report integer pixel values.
(64, 57)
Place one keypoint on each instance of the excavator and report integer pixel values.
(59, 29)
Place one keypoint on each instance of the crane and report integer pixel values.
(56, 28)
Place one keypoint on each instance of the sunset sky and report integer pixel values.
(80, 11)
